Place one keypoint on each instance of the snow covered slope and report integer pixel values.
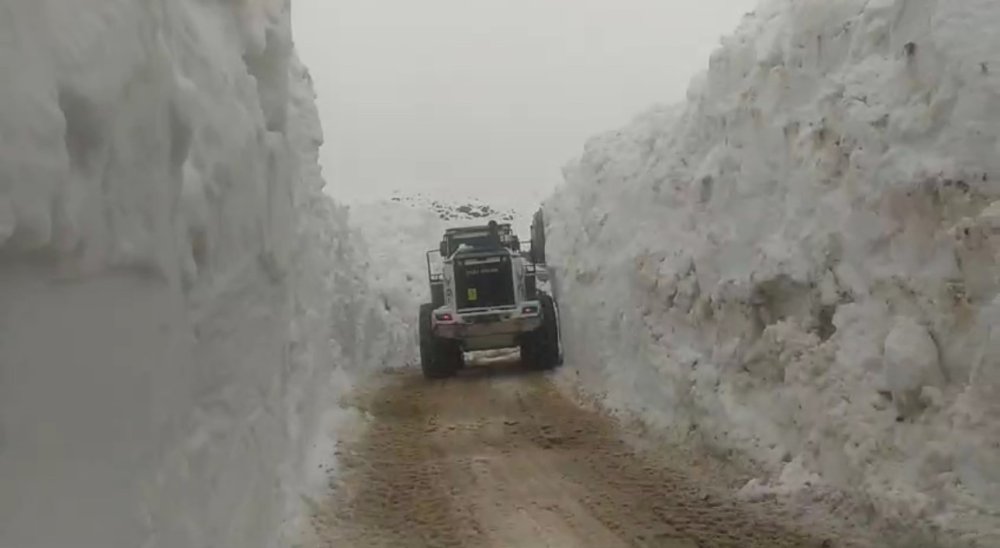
(179, 302)
(800, 262)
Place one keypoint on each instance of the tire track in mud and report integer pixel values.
(498, 457)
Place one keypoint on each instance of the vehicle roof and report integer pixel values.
(475, 228)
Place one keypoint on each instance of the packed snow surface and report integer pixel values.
(180, 305)
(800, 262)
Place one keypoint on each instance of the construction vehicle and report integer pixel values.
(486, 294)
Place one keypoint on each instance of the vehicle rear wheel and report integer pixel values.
(540, 349)
(439, 358)
(451, 356)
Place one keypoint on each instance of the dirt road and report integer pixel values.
(498, 457)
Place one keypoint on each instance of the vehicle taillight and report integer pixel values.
(529, 310)
(445, 317)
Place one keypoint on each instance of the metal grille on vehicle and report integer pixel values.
(482, 282)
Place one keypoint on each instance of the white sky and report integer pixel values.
(490, 98)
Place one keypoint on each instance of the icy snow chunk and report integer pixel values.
(911, 363)
(779, 345)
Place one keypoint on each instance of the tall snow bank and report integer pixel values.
(800, 262)
(397, 237)
(179, 302)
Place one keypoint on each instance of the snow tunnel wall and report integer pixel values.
(179, 302)
(800, 262)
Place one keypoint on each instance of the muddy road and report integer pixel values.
(498, 457)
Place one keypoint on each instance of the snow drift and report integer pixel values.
(179, 302)
(397, 236)
(800, 262)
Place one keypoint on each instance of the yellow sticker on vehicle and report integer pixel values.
(473, 294)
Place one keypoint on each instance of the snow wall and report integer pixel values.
(179, 302)
(800, 262)
(396, 237)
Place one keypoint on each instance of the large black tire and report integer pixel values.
(541, 349)
(426, 337)
(549, 303)
(450, 354)
(439, 358)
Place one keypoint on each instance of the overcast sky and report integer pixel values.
(490, 97)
